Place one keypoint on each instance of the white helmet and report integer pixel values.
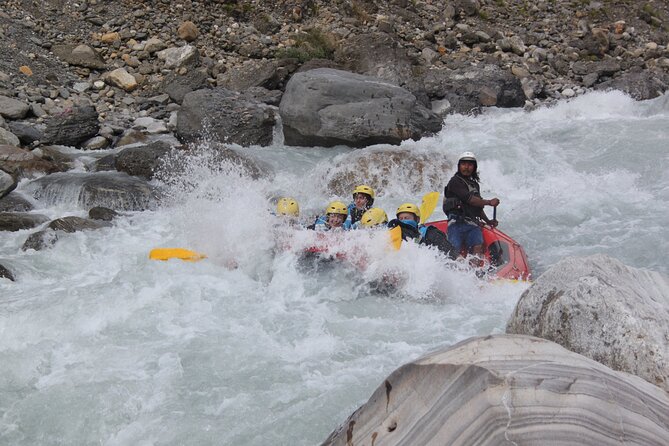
(467, 156)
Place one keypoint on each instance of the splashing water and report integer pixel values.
(254, 345)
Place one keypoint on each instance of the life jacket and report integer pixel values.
(454, 208)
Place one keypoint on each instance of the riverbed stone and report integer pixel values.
(16, 221)
(14, 202)
(72, 127)
(11, 108)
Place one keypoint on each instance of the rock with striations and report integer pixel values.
(225, 116)
(602, 309)
(115, 190)
(326, 107)
(72, 127)
(506, 390)
(73, 224)
(469, 89)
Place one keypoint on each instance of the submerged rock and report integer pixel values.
(114, 190)
(14, 202)
(378, 168)
(504, 389)
(602, 309)
(5, 273)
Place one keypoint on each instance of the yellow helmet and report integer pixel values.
(373, 217)
(364, 189)
(336, 207)
(409, 207)
(287, 206)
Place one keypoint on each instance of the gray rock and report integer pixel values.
(26, 133)
(178, 86)
(379, 55)
(72, 127)
(225, 116)
(329, 107)
(73, 224)
(260, 94)
(79, 55)
(8, 138)
(602, 309)
(102, 213)
(114, 190)
(96, 143)
(270, 74)
(142, 161)
(23, 162)
(13, 202)
(468, 89)
(16, 221)
(5, 273)
(640, 85)
(501, 389)
(7, 183)
(11, 108)
(40, 240)
(177, 57)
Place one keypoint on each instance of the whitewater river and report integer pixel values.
(99, 345)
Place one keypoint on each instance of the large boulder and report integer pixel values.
(225, 116)
(72, 127)
(602, 309)
(378, 167)
(469, 89)
(114, 190)
(177, 86)
(74, 224)
(506, 390)
(8, 138)
(326, 107)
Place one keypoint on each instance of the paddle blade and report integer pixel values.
(428, 205)
(175, 253)
(396, 237)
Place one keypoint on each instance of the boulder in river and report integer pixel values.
(508, 389)
(16, 221)
(602, 309)
(326, 107)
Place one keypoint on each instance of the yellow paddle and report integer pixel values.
(428, 205)
(396, 237)
(175, 253)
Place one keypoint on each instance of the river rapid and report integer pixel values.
(99, 345)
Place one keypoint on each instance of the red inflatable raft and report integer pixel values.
(503, 253)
